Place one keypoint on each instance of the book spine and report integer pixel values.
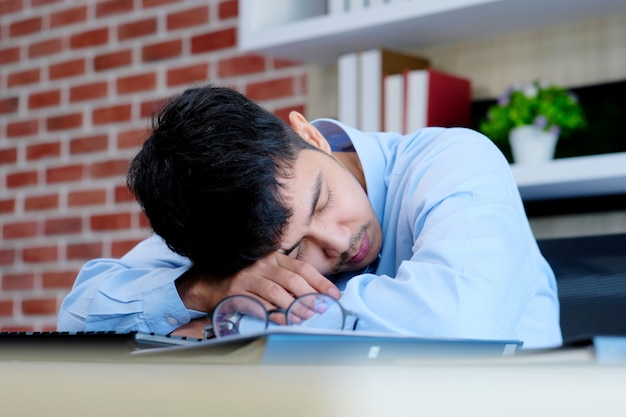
(348, 89)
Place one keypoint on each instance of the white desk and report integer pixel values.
(493, 389)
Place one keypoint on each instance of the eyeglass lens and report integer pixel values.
(241, 314)
(316, 311)
(227, 318)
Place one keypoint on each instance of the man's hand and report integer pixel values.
(275, 281)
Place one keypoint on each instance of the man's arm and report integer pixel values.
(151, 289)
(136, 292)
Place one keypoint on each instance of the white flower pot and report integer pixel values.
(531, 145)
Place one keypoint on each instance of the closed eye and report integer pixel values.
(328, 202)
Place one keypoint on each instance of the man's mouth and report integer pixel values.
(364, 248)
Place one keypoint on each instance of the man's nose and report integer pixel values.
(334, 240)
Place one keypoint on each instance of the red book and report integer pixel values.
(436, 98)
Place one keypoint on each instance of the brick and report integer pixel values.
(114, 168)
(240, 65)
(10, 6)
(22, 128)
(39, 3)
(67, 69)
(68, 16)
(68, 173)
(188, 74)
(9, 55)
(43, 150)
(89, 91)
(143, 221)
(113, 7)
(9, 105)
(12, 282)
(84, 251)
(154, 3)
(63, 226)
(40, 254)
(120, 247)
(7, 206)
(7, 256)
(44, 99)
(86, 198)
(41, 202)
(22, 179)
(39, 306)
(123, 194)
(162, 50)
(148, 108)
(131, 138)
(6, 309)
(63, 122)
(265, 90)
(221, 39)
(20, 230)
(187, 18)
(228, 9)
(136, 83)
(137, 29)
(8, 156)
(280, 63)
(113, 60)
(115, 221)
(25, 27)
(283, 113)
(112, 114)
(88, 144)
(89, 38)
(24, 77)
(58, 279)
(43, 48)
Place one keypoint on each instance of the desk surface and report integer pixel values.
(137, 389)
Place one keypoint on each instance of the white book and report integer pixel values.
(417, 100)
(393, 103)
(370, 79)
(355, 5)
(336, 6)
(348, 89)
(376, 3)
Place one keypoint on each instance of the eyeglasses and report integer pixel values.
(242, 314)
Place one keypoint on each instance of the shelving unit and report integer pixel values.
(572, 177)
(305, 31)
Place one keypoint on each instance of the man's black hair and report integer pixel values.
(209, 178)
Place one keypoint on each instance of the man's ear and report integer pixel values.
(308, 131)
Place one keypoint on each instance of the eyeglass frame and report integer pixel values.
(208, 331)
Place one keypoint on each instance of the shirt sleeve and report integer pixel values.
(134, 293)
(464, 260)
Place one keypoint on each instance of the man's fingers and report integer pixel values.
(305, 279)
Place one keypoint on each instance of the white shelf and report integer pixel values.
(581, 176)
(303, 30)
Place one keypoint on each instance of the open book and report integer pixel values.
(293, 345)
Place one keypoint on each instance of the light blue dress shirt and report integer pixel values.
(458, 258)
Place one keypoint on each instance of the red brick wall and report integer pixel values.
(78, 80)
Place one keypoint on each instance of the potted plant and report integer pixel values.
(532, 117)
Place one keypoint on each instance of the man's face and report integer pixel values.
(333, 226)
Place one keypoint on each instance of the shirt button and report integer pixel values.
(171, 321)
